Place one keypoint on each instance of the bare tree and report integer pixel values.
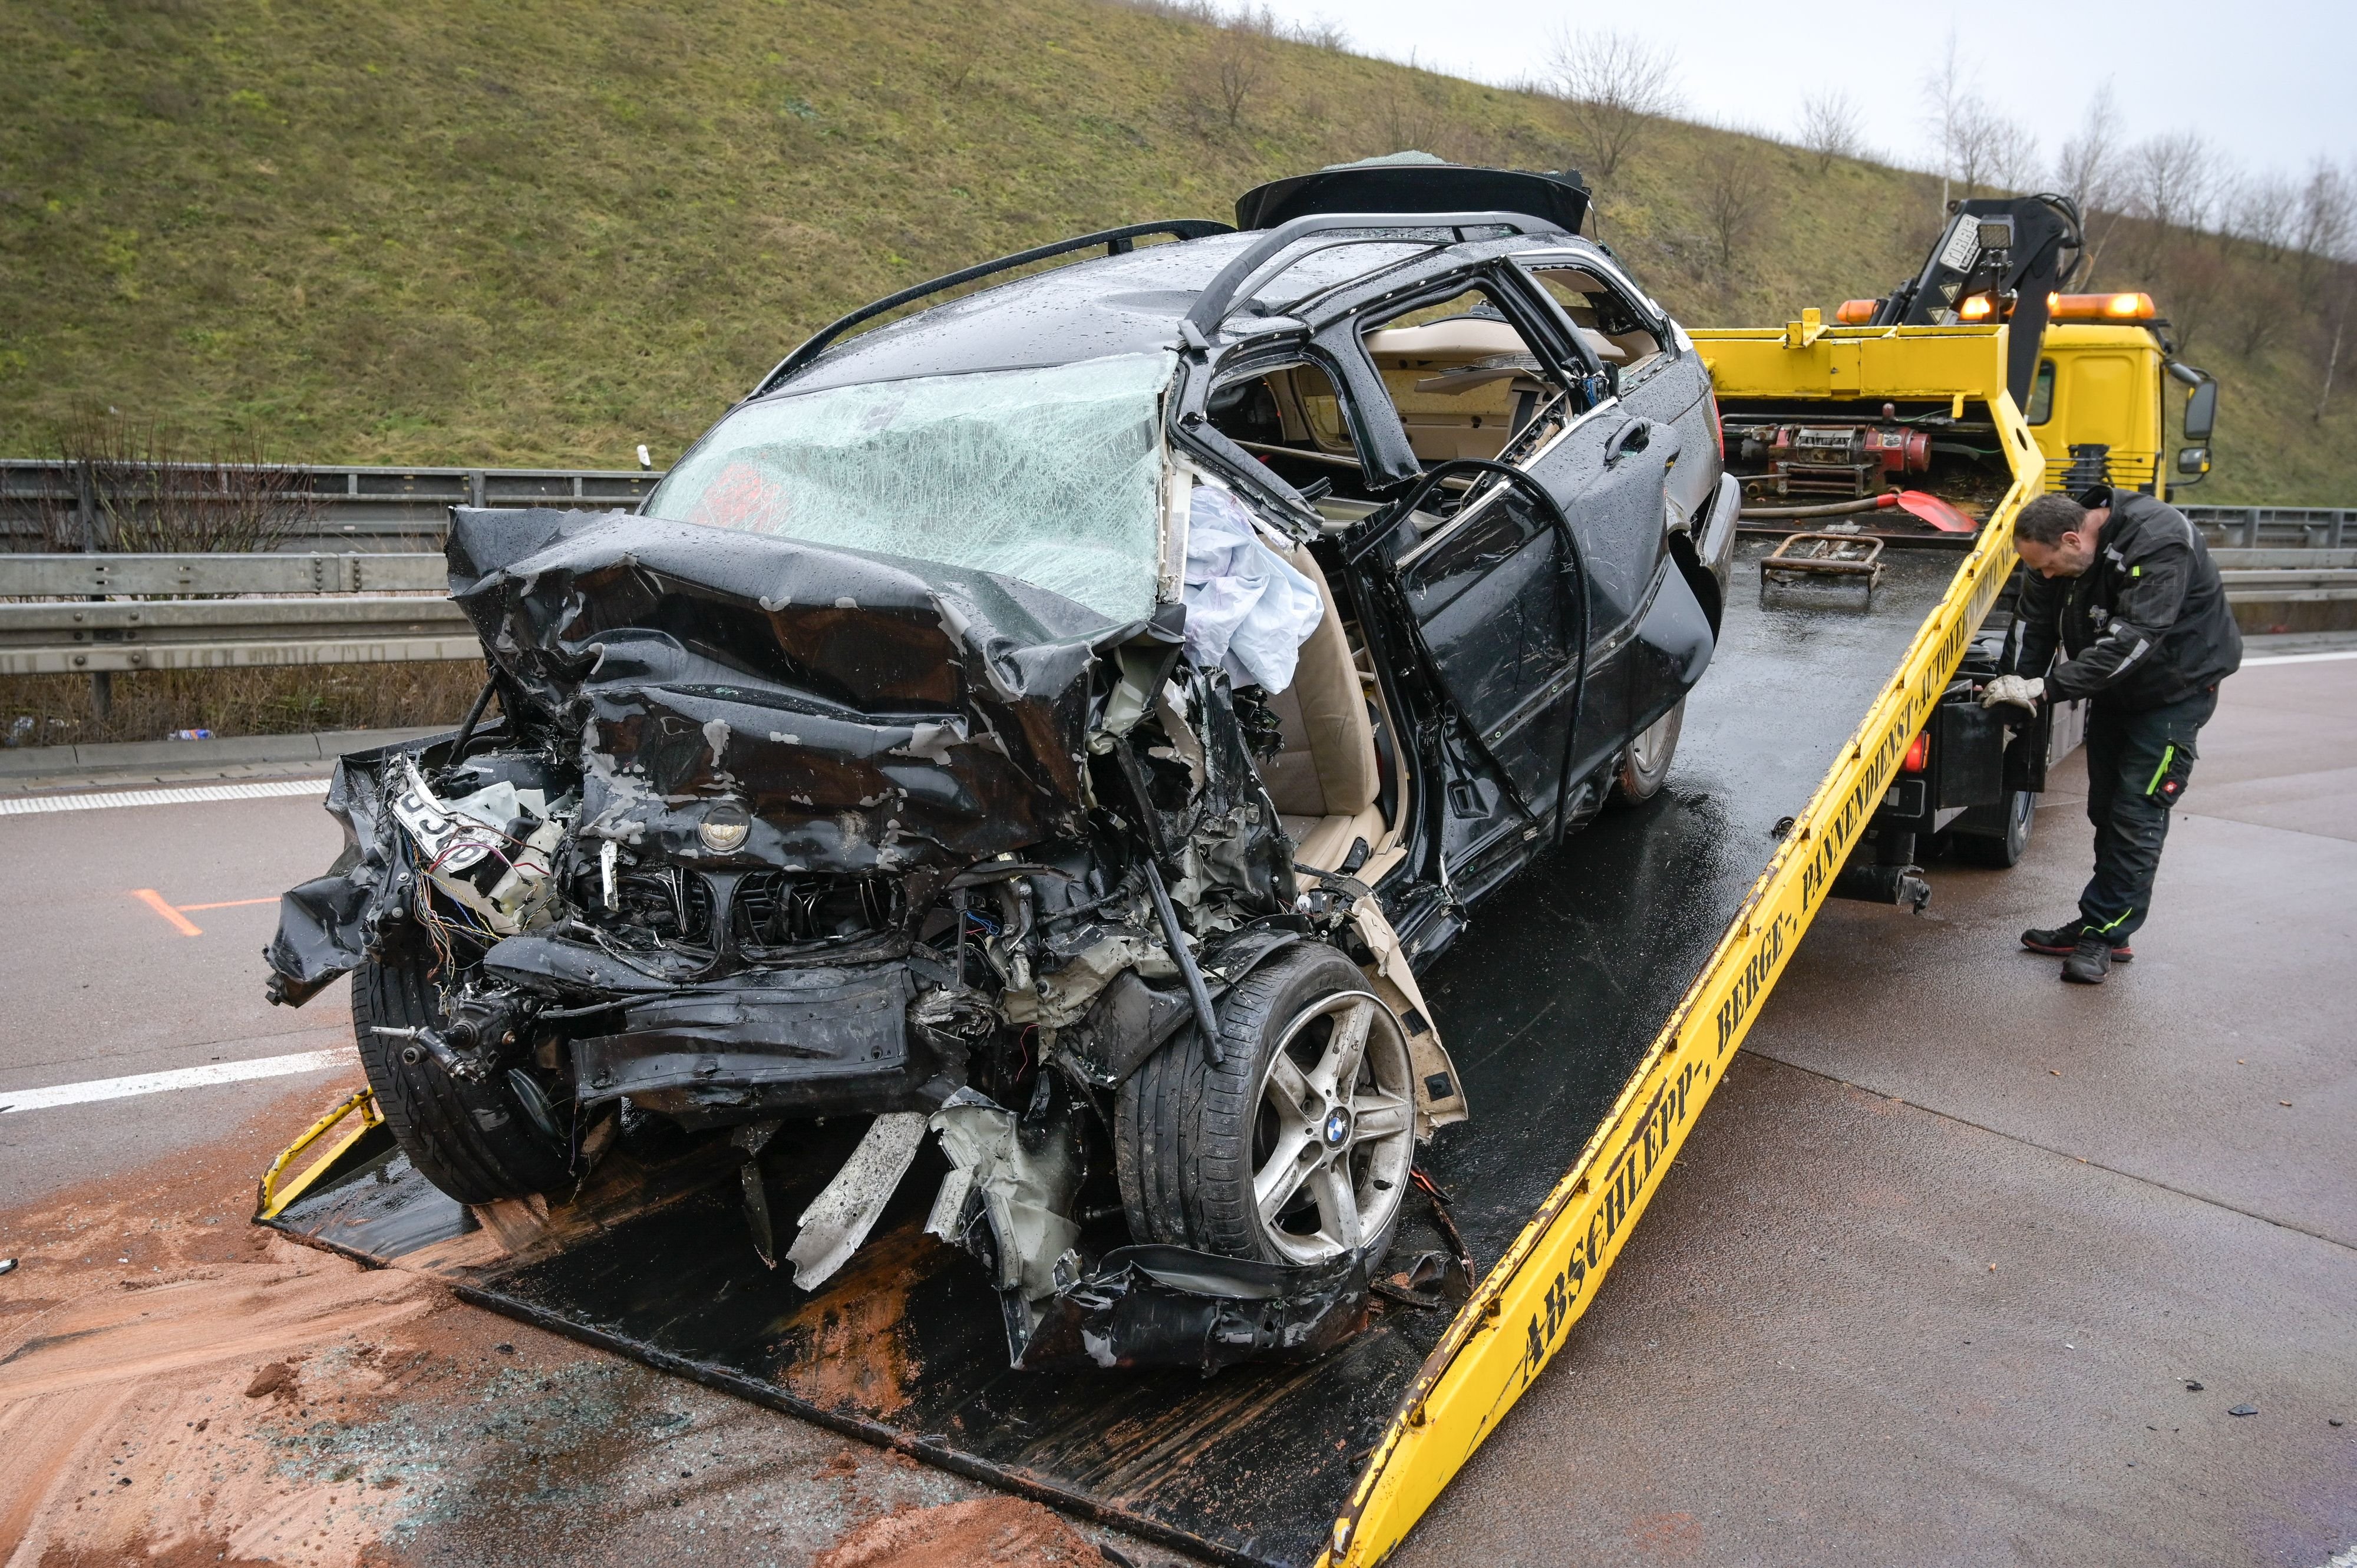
(2196, 281)
(2338, 291)
(1412, 123)
(1235, 63)
(1734, 200)
(1613, 83)
(144, 494)
(1947, 96)
(2257, 310)
(2013, 157)
(2169, 179)
(2261, 208)
(1323, 32)
(1978, 146)
(1830, 128)
(1975, 136)
(2328, 203)
(2088, 166)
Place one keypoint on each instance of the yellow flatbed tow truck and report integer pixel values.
(1591, 1023)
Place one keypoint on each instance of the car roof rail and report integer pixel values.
(1117, 241)
(1212, 306)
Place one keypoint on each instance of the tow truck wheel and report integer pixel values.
(1646, 763)
(2000, 849)
(1297, 1147)
(477, 1142)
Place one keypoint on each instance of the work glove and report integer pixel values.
(2022, 693)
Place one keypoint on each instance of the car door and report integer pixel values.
(1490, 595)
(1651, 637)
(1491, 591)
(1656, 372)
(1610, 473)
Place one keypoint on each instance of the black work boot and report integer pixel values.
(2059, 941)
(2089, 961)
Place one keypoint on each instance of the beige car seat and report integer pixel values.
(1325, 777)
(1455, 383)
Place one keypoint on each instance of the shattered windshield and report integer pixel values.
(1050, 475)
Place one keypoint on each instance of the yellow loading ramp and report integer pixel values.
(1518, 1318)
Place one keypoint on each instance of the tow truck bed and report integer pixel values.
(1564, 1008)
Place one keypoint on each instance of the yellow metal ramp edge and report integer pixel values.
(1518, 1318)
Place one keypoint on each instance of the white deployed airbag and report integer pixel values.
(1248, 611)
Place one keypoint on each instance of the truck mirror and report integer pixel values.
(2193, 461)
(2201, 409)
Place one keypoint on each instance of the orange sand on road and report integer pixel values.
(181, 1389)
(130, 1333)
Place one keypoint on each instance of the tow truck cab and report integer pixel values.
(2098, 402)
(2089, 375)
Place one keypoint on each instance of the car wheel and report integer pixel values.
(2004, 849)
(477, 1142)
(1646, 762)
(1298, 1147)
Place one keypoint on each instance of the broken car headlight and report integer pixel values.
(724, 827)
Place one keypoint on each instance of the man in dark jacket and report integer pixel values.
(2122, 585)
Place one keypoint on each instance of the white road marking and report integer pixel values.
(29, 805)
(178, 1078)
(2304, 659)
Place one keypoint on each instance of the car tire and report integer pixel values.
(1645, 761)
(476, 1141)
(1191, 1139)
(2001, 850)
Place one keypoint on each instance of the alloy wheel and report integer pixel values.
(1335, 1129)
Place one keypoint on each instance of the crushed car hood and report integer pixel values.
(873, 713)
(891, 711)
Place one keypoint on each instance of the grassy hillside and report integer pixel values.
(536, 232)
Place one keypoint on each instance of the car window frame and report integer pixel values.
(1635, 300)
(1554, 338)
(1546, 331)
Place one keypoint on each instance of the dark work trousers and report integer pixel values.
(2137, 764)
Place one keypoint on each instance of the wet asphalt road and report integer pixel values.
(1805, 1356)
(101, 984)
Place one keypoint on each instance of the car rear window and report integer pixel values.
(1052, 476)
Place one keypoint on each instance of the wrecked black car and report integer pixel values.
(1057, 721)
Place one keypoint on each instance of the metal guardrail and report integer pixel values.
(75, 615)
(2233, 558)
(2279, 599)
(97, 614)
(2284, 527)
(355, 506)
(358, 505)
(98, 576)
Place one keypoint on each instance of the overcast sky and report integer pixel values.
(2268, 81)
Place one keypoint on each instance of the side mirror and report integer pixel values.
(2193, 461)
(2201, 403)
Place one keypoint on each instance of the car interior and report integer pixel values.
(1464, 384)
(1326, 778)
